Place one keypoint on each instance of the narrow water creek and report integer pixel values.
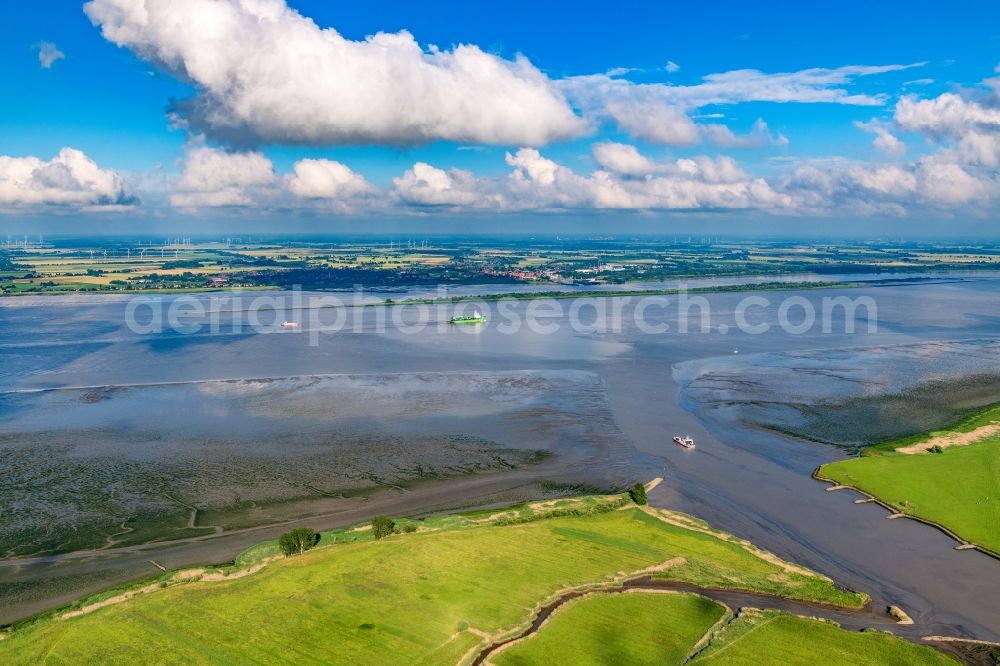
(849, 619)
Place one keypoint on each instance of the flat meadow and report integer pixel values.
(935, 477)
(435, 593)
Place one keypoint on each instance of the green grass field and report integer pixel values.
(958, 488)
(427, 596)
(635, 628)
(770, 637)
(646, 628)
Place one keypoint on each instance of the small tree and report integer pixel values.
(382, 526)
(298, 541)
(638, 494)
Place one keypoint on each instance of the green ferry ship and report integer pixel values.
(476, 317)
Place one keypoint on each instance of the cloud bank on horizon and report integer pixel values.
(263, 75)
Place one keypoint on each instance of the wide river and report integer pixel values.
(122, 450)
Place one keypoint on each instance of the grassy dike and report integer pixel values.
(955, 486)
(437, 594)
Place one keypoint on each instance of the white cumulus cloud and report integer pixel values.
(426, 185)
(213, 177)
(962, 176)
(695, 183)
(973, 124)
(624, 159)
(627, 181)
(884, 140)
(70, 180)
(652, 120)
(934, 181)
(327, 179)
(945, 183)
(759, 135)
(266, 74)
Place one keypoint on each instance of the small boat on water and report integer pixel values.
(686, 442)
(289, 324)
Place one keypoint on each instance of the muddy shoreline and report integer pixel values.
(95, 571)
(963, 544)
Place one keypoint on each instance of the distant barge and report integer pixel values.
(476, 317)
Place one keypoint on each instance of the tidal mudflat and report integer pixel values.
(848, 397)
(602, 404)
(90, 468)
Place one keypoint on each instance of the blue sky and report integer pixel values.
(110, 101)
